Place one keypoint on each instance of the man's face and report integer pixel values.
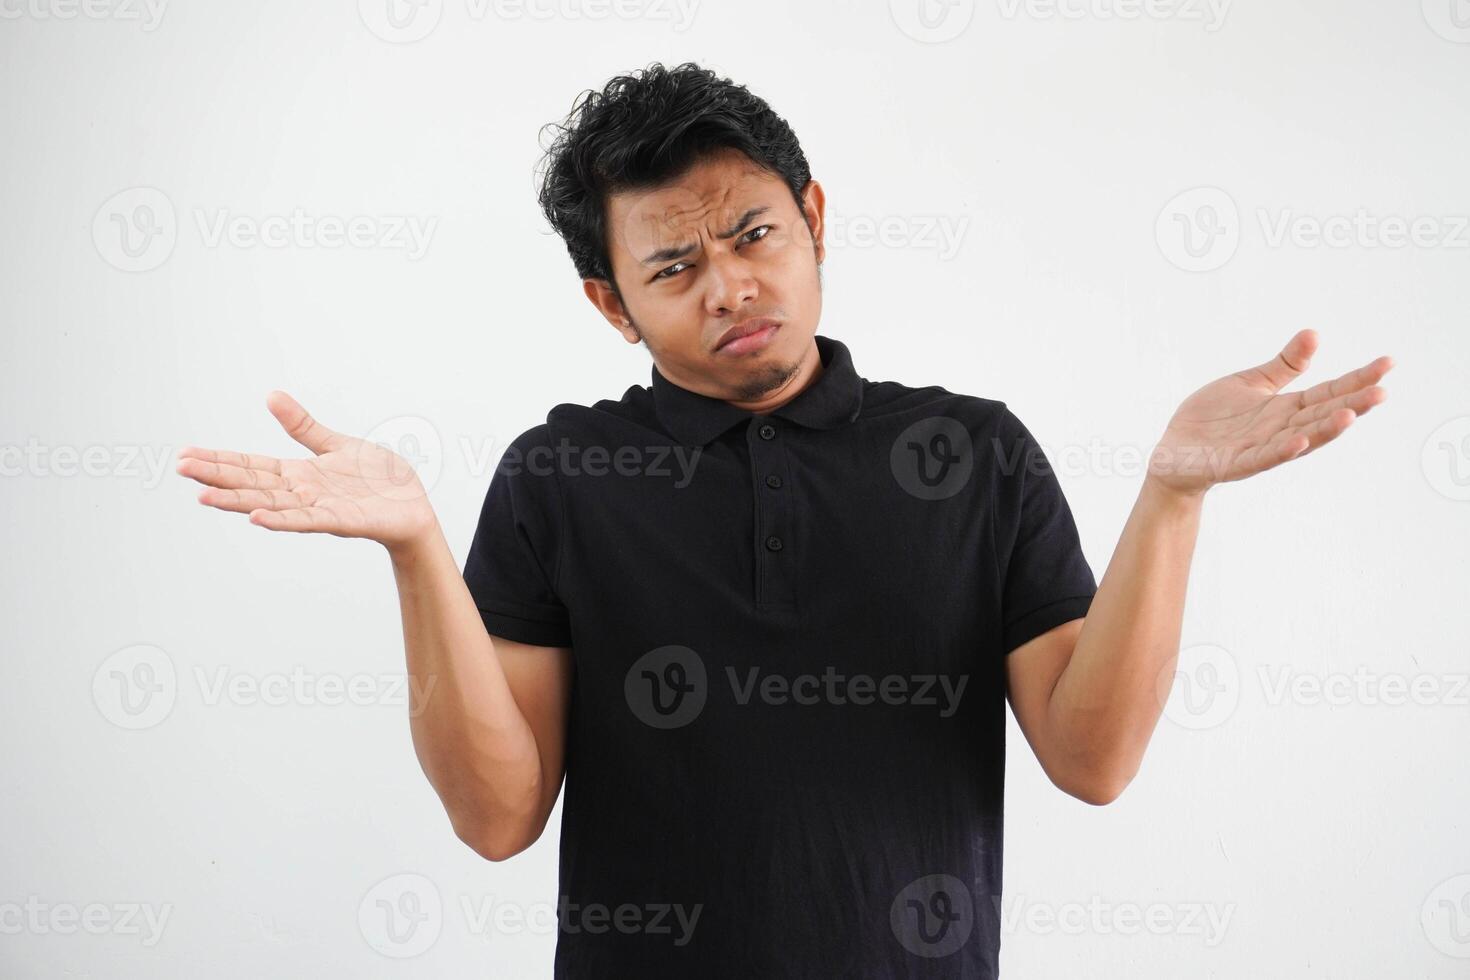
(720, 245)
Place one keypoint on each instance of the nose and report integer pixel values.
(732, 285)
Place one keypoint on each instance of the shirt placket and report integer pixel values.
(775, 560)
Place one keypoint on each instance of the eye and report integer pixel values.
(752, 231)
(678, 267)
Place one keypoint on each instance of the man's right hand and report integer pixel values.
(351, 488)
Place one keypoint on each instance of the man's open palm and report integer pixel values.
(1239, 425)
(351, 488)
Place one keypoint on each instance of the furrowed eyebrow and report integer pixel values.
(679, 251)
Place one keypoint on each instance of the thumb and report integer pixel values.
(1294, 358)
(299, 424)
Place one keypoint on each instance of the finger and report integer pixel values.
(1369, 374)
(1293, 443)
(245, 501)
(1360, 402)
(249, 461)
(1320, 432)
(1294, 358)
(227, 476)
(299, 424)
(306, 520)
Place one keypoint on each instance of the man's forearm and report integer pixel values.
(473, 742)
(1108, 699)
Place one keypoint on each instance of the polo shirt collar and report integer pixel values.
(833, 399)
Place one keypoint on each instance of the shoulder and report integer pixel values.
(583, 423)
(980, 416)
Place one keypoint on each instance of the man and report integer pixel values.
(764, 614)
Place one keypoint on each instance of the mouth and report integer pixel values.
(748, 335)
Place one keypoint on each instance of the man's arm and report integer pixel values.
(1087, 694)
(489, 716)
(491, 732)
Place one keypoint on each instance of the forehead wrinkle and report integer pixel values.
(703, 209)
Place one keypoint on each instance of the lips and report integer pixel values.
(745, 328)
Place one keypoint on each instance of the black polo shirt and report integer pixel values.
(786, 742)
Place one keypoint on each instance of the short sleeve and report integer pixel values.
(513, 562)
(1046, 580)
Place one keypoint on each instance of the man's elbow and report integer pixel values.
(1097, 788)
(496, 844)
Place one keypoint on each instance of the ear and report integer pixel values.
(814, 203)
(600, 293)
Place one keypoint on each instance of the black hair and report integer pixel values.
(643, 130)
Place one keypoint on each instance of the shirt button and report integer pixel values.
(768, 431)
(773, 543)
(773, 481)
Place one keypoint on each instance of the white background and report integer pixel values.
(1054, 143)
